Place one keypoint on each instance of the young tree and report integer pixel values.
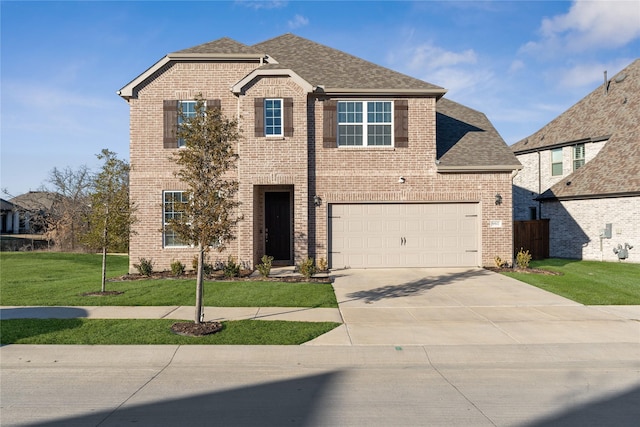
(111, 215)
(206, 161)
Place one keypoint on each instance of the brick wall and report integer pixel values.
(575, 226)
(298, 164)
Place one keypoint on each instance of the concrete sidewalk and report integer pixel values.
(416, 307)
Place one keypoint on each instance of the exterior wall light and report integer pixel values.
(498, 199)
(317, 201)
(401, 180)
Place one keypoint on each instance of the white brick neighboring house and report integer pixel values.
(339, 159)
(582, 171)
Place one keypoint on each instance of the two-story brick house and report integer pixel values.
(582, 173)
(339, 159)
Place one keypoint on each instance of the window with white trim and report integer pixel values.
(578, 156)
(188, 109)
(273, 117)
(359, 129)
(556, 162)
(173, 208)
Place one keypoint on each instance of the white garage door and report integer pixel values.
(403, 235)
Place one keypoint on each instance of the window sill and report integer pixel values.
(362, 148)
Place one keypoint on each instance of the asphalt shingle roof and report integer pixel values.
(466, 137)
(614, 113)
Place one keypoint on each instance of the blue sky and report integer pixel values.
(522, 63)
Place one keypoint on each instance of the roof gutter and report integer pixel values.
(563, 144)
(472, 169)
(437, 92)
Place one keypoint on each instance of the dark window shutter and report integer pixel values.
(170, 112)
(288, 117)
(213, 103)
(401, 123)
(259, 116)
(329, 124)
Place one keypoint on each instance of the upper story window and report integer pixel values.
(188, 109)
(357, 128)
(578, 156)
(556, 162)
(172, 207)
(273, 117)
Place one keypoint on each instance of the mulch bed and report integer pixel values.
(524, 270)
(191, 329)
(245, 275)
(102, 294)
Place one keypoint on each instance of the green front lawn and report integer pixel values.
(587, 282)
(144, 331)
(52, 279)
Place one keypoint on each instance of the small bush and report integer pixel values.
(523, 258)
(231, 268)
(177, 268)
(323, 265)
(145, 267)
(207, 268)
(307, 268)
(265, 267)
(500, 263)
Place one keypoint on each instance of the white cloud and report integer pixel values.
(262, 4)
(516, 65)
(297, 22)
(589, 25)
(589, 75)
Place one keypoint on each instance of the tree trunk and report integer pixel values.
(104, 269)
(199, 279)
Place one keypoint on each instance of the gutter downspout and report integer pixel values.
(539, 187)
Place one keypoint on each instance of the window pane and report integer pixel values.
(556, 169)
(379, 135)
(349, 135)
(273, 116)
(173, 209)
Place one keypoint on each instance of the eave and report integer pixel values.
(240, 86)
(389, 92)
(129, 90)
(476, 169)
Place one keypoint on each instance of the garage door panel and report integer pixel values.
(404, 235)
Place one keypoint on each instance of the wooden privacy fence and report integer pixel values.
(532, 236)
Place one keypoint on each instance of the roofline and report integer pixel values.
(563, 144)
(488, 168)
(438, 93)
(239, 87)
(127, 92)
(588, 196)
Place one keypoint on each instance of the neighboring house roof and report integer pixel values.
(466, 140)
(36, 200)
(612, 112)
(6, 205)
(224, 45)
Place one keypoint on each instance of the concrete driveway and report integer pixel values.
(466, 307)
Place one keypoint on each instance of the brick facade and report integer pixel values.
(298, 164)
(575, 228)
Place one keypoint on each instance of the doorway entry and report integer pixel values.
(277, 213)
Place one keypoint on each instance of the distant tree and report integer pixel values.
(68, 219)
(210, 211)
(111, 215)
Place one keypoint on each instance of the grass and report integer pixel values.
(59, 279)
(587, 282)
(144, 331)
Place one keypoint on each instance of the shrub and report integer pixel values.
(307, 267)
(500, 263)
(523, 258)
(207, 268)
(145, 267)
(323, 265)
(265, 267)
(231, 269)
(177, 268)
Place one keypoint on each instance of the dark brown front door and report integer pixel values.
(277, 214)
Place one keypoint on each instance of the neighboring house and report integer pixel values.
(582, 172)
(28, 212)
(339, 159)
